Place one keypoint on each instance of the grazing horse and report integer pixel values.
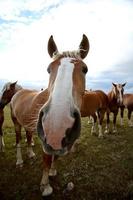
(7, 92)
(95, 104)
(54, 112)
(128, 104)
(115, 98)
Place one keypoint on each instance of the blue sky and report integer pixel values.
(26, 25)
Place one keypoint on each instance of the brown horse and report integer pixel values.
(95, 104)
(128, 104)
(55, 112)
(115, 98)
(7, 92)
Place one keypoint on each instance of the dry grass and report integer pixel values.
(101, 169)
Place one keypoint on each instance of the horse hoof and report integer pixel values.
(2, 150)
(114, 131)
(32, 144)
(31, 155)
(19, 165)
(93, 132)
(106, 131)
(101, 136)
(130, 125)
(52, 172)
(46, 190)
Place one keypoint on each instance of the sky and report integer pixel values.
(26, 25)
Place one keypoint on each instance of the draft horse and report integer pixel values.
(54, 112)
(95, 104)
(7, 92)
(115, 98)
(128, 104)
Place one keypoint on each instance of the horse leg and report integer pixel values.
(2, 144)
(107, 128)
(130, 123)
(122, 114)
(30, 152)
(114, 122)
(100, 121)
(45, 187)
(32, 142)
(53, 171)
(19, 162)
(90, 121)
(93, 129)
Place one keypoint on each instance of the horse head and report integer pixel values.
(7, 93)
(118, 90)
(59, 120)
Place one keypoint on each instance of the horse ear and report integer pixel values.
(123, 84)
(13, 84)
(114, 84)
(84, 46)
(52, 48)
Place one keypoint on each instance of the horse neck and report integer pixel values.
(42, 97)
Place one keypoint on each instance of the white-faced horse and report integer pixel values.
(115, 98)
(55, 111)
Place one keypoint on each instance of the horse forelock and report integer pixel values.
(71, 54)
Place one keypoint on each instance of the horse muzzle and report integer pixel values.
(66, 141)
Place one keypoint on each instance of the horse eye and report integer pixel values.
(84, 69)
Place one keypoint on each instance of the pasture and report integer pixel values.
(99, 168)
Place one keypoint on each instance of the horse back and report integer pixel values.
(128, 101)
(103, 98)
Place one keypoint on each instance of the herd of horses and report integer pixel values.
(55, 113)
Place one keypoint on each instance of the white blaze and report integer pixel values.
(119, 88)
(62, 100)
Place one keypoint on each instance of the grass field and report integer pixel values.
(101, 169)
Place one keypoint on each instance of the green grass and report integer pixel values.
(100, 168)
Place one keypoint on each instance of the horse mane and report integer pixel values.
(71, 54)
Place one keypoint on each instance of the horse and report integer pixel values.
(55, 112)
(115, 98)
(7, 92)
(128, 104)
(95, 104)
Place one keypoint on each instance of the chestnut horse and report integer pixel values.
(95, 104)
(115, 98)
(7, 92)
(54, 112)
(128, 104)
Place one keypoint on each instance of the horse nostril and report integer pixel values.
(72, 133)
(65, 141)
(39, 125)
